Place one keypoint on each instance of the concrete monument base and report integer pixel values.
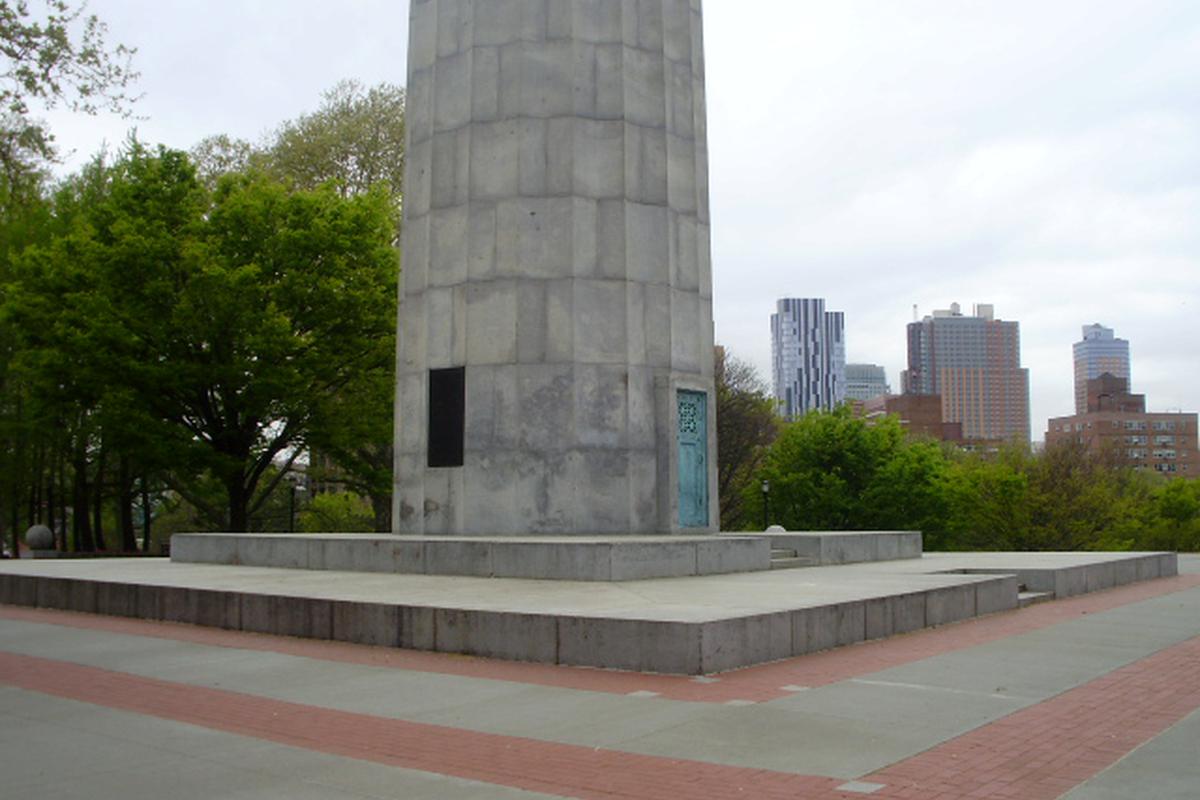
(603, 558)
(694, 625)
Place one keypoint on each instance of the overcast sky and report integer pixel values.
(1041, 156)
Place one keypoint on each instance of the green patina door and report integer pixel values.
(693, 459)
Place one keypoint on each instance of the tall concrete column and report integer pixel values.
(556, 250)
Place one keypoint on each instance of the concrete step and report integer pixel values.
(792, 562)
(783, 553)
(1026, 599)
(561, 558)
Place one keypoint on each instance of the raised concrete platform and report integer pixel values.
(685, 625)
(604, 558)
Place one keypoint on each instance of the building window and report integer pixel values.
(447, 416)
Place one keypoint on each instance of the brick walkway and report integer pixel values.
(1035, 754)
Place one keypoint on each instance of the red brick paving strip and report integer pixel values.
(547, 767)
(760, 684)
(1038, 753)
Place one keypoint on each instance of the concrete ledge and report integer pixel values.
(624, 558)
(1105, 571)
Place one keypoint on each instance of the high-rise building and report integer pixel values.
(808, 356)
(1099, 352)
(866, 382)
(974, 363)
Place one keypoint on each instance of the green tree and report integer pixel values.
(343, 512)
(831, 470)
(355, 142)
(909, 491)
(217, 156)
(354, 139)
(988, 501)
(1173, 521)
(746, 425)
(233, 319)
(1079, 502)
(60, 58)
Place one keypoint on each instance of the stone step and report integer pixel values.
(783, 553)
(792, 562)
(1026, 599)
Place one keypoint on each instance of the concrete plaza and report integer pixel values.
(1093, 697)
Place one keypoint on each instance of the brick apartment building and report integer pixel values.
(1117, 422)
(920, 414)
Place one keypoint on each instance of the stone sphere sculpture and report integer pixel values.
(776, 529)
(39, 537)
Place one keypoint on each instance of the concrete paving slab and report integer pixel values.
(1040, 664)
(1166, 768)
(357, 688)
(768, 737)
(118, 754)
(582, 718)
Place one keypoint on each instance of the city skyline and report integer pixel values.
(1041, 157)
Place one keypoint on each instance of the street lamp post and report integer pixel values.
(294, 479)
(766, 490)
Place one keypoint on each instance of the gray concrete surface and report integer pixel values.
(845, 730)
(1166, 768)
(119, 754)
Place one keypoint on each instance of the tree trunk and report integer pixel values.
(239, 501)
(36, 487)
(60, 543)
(125, 501)
(16, 525)
(381, 505)
(145, 516)
(81, 523)
(98, 501)
(61, 471)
